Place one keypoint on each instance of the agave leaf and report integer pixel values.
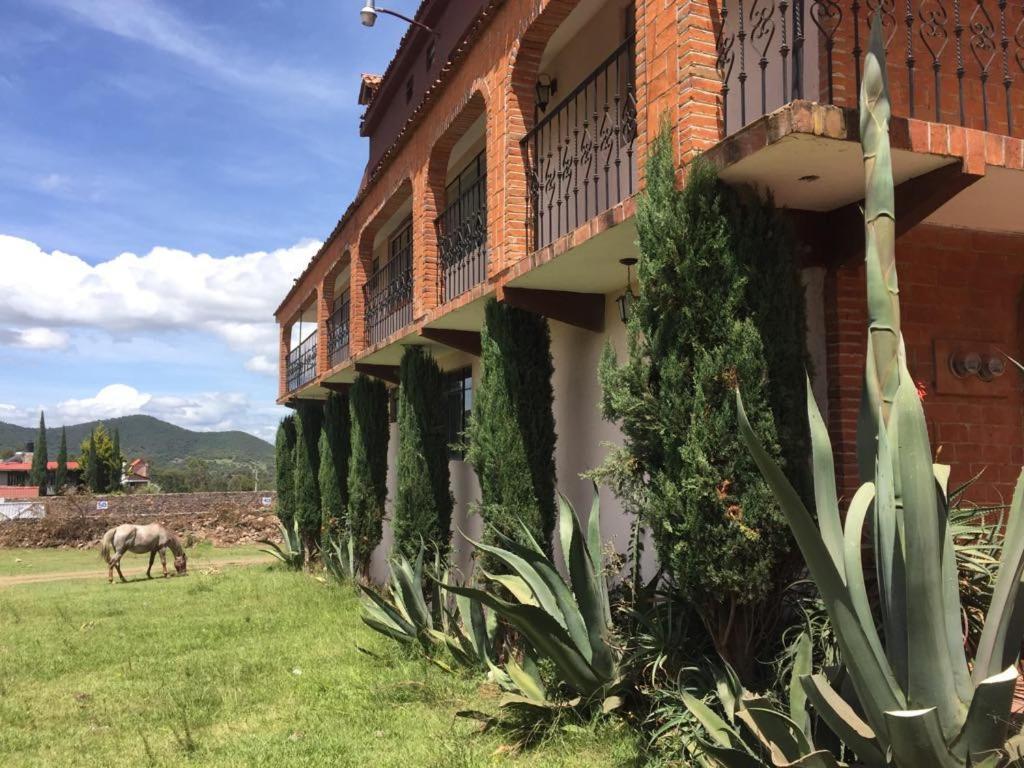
(728, 757)
(996, 643)
(780, 735)
(545, 634)
(480, 625)
(826, 502)
(717, 729)
(876, 688)
(951, 611)
(841, 719)
(516, 585)
(410, 584)
(853, 537)
(916, 737)
(802, 667)
(528, 684)
(594, 547)
(988, 719)
(889, 560)
(729, 688)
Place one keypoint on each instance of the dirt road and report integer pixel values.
(130, 573)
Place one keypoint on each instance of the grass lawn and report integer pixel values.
(24, 562)
(244, 666)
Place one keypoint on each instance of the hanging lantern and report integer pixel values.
(625, 301)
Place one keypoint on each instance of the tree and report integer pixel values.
(98, 459)
(368, 466)
(308, 421)
(284, 450)
(116, 463)
(40, 458)
(423, 503)
(335, 448)
(61, 479)
(703, 323)
(512, 428)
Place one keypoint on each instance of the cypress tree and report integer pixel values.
(284, 452)
(308, 421)
(92, 464)
(335, 447)
(368, 466)
(40, 458)
(98, 453)
(512, 429)
(62, 462)
(116, 467)
(702, 325)
(423, 503)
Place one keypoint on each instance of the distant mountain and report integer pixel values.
(162, 443)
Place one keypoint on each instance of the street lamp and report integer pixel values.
(368, 15)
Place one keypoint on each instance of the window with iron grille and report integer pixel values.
(458, 405)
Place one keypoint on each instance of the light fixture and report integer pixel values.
(546, 88)
(368, 15)
(625, 301)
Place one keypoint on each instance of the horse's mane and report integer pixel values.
(174, 544)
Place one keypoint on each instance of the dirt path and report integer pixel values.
(130, 573)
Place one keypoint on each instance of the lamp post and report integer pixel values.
(368, 15)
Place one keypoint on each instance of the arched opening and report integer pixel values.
(386, 256)
(301, 362)
(338, 322)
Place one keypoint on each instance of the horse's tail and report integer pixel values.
(107, 545)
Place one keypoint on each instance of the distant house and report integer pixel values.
(15, 471)
(136, 474)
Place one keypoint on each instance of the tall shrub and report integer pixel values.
(62, 462)
(368, 466)
(423, 504)
(335, 449)
(40, 457)
(284, 454)
(308, 421)
(512, 428)
(116, 468)
(98, 458)
(703, 322)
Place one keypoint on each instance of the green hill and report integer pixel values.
(164, 444)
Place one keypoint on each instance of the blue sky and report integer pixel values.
(166, 168)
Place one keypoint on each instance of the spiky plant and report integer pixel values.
(289, 551)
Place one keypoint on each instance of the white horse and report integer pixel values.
(152, 538)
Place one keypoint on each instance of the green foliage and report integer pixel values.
(308, 516)
(200, 476)
(335, 449)
(289, 551)
(339, 558)
(368, 466)
(40, 457)
(116, 463)
(701, 324)
(284, 450)
(61, 478)
(919, 699)
(511, 435)
(423, 503)
(98, 460)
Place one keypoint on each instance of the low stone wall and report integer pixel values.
(80, 521)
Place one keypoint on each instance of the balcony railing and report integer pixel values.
(338, 335)
(388, 297)
(951, 61)
(579, 157)
(462, 241)
(302, 363)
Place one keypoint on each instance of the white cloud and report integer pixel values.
(151, 23)
(261, 364)
(232, 298)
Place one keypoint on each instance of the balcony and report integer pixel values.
(338, 335)
(302, 363)
(579, 157)
(462, 241)
(950, 62)
(388, 291)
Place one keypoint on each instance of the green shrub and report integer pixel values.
(61, 478)
(308, 420)
(335, 447)
(702, 323)
(511, 435)
(423, 503)
(40, 457)
(368, 466)
(284, 450)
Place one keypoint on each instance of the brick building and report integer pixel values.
(505, 152)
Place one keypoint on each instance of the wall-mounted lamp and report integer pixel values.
(986, 367)
(368, 15)
(546, 88)
(625, 301)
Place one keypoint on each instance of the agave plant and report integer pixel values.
(918, 699)
(339, 561)
(406, 617)
(289, 551)
(567, 624)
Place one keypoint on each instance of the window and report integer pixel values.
(408, 90)
(459, 405)
(476, 168)
(431, 53)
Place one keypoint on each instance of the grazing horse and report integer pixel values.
(152, 538)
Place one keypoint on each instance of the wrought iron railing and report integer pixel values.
(952, 61)
(388, 297)
(579, 157)
(462, 241)
(338, 335)
(302, 363)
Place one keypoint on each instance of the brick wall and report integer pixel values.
(955, 284)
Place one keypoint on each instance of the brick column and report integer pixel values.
(426, 199)
(698, 120)
(362, 258)
(284, 345)
(324, 305)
